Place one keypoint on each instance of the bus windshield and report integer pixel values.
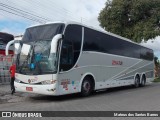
(35, 57)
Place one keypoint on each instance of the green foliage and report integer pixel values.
(157, 80)
(133, 19)
(156, 61)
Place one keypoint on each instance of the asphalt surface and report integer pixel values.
(116, 99)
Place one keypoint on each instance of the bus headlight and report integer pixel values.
(48, 82)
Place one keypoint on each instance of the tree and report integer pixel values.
(134, 19)
(157, 67)
(156, 61)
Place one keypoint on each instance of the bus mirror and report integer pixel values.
(9, 44)
(54, 42)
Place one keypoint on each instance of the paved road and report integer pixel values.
(118, 99)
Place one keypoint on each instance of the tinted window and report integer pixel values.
(71, 47)
(100, 42)
(150, 54)
(43, 32)
(146, 54)
(91, 40)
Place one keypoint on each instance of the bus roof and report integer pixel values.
(6, 37)
(97, 29)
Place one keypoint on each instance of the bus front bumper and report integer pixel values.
(38, 89)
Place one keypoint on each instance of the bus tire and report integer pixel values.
(86, 87)
(137, 81)
(143, 81)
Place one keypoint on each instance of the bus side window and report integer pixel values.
(66, 57)
(71, 47)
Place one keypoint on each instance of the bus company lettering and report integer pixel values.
(65, 83)
(115, 62)
(32, 80)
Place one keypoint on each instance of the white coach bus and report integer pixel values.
(66, 57)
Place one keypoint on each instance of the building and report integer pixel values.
(4, 39)
(5, 61)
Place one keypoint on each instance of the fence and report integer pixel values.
(5, 63)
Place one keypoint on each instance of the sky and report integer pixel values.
(84, 11)
(153, 44)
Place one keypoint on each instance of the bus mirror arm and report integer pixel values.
(55, 42)
(9, 44)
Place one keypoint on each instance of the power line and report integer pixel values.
(33, 10)
(36, 9)
(22, 12)
(69, 12)
(62, 11)
(21, 15)
(53, 6)
(48, 8)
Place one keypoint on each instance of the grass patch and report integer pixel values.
(157, 80)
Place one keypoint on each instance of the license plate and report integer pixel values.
(29, 89)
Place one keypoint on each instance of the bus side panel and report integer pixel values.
(109, 71)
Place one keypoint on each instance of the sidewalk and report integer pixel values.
(7, 97)
(5, 89)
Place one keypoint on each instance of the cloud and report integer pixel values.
(85, 11)
(76, 10)
(153, 44)
(1, 17)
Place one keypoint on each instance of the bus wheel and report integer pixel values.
(137, 82)
(86, 87)
(143, 81)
